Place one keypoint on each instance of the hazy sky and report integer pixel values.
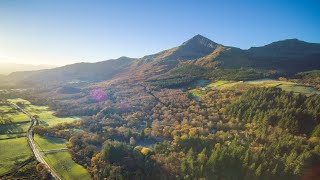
(63, 32)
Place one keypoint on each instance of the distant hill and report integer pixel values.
(291, 55)
(74, 73)
(288, 56)
(7, 68)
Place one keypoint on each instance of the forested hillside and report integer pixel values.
(143, 131)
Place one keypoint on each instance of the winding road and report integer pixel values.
(32, 143)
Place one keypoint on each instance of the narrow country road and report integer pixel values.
(32, 143)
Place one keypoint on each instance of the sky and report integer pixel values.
(60, 32)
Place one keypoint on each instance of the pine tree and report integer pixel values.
(142, 134)
(202, 157)
(275, 170)
(258, 171)
(190, 162)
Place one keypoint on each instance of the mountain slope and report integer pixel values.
(196, 47)
(288, 56)
(227, 57)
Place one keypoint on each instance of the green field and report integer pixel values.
(18, 127)
(19, 100)
(13, 130)
(63, 164)
(197, 92)
(16, 150)
(18, 116)
(60, 161)
(47, 143)
(284, 85)
(53, 121)
(13, 142)
(5, 108)
(12, 136)
(14, 114)
(222, 84)
(13, 152)
(45, 115)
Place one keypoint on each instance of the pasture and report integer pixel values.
(13, 130)
(43, 113)
(47, 143)
(284, 85)
(13, 152)
(19, 100)
(18, 126)
(63, 164)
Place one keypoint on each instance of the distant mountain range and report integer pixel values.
(7, 68)
(288, 56)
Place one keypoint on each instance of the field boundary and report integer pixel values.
(31, 142)
(17, 167)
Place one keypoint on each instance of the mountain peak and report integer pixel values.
(199, 36)
(194, 48)
(200, 40)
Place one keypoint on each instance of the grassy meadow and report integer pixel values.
(63, 164)
(18, 127)
(19, 100)
(13, 130)
(13, 152)
(284, 85)
(14, 148)
(47, 143)
(5, 108)
(43, 113)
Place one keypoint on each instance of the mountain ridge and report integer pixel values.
(291, 55)
(7, 68)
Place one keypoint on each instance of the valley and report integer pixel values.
(44, 146)
(54, 140)
(200, 110)
(160, 90)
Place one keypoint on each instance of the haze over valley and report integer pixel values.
(7, 68)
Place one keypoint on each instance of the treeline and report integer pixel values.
(179, 77)
(188, 73)
(241, 74)
(309, 78)
(173, 82)
(238, 159)
(298, 114)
